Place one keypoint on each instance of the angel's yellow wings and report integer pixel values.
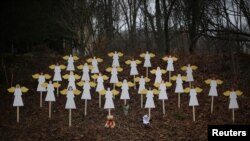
(175, 59)
(109, 69)
(128, 62)
(119, 69)
(11, 90)
(23, 89)
(77, 92)
(75, 57)
(142, 55)
(99, 60)
(47, 76)
(226, 93)
(239, 93)
(89, 60)
(163, 71)
(194, 67)
(66, 76)
(130, 84)
(105, 77)
(165, 58)
(138, 61)
(208, 81)
(77, 77)
(65, 57)
(184, 68)
(153, 71)
(111, 54)
(52, 67)
(56, 85)
(120, 54)
(36, 76)
(219, 81)
(173, 78)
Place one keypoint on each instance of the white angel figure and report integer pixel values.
(147, 63)
(114, 74)
(142, 81)
(233, 104)
(158, 74)
(18, 101)
(179, 87)
(100, 79)
(193, 101)
(85, 71)
(70, 59)
(41, 80)
(115, 56)
(109, 104)
(125, 90)
(213, 89)
(70, 103)
(133, 65)
(189, 71)
(94, 62)
(163, 92)
(57, 71)
(50, 92)
(170, 61)
(150, 99)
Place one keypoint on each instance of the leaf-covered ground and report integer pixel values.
(176, 124)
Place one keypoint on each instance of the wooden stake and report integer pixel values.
(163, 106)
(193, 113)
(85, 108)
(17, 114)
(233, 114)
(109, 112)
(190, 84)
(134, 83)
(169, 76)
(125, 101)
(212, 104)
(179, 100)
(100, 101)
(41, 99)
(57, 90)
(69, 117)
(147, 72)
(149, 112)
(50, 110)
(141, 100)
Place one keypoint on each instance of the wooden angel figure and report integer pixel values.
(70, 59)
(100, 79)
(71, 78)
(189, 71)
(163, 92)
(193, 101)
(85, 71)
(86, 92)
(142, 81)
(179, 87)
(94, 62)
(115, 56)
(114, 72)
(50, 97)
(158, 74)
(150, 99)
(125, 87)
(109, 104)
(213, 89)
(18, 101)
(70, 103)
(147, 63)
(41, 80)
(170, 64)
(57, 73)
(233, 104)
(133, 71)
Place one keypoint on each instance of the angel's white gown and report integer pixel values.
(109, 104)
(213, 88)
(163, 91)
(70, 66)
(170, 66)
(100, 85)
(86, 91)
(70, 103)
(114, 78)
(115, 62)
(150, 100)
(50, 93)
(158, 74)
(193, 101)
(41, 80)
(71, 80)
(141, 84)
(133, 70)
(233, 104)
(179, 87)
(18, 101)
(95, 66)
(125, 93)
(85, 73)
(57, 74)
(147, 62)
(189, 72)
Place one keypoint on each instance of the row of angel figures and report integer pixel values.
(99, 78)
